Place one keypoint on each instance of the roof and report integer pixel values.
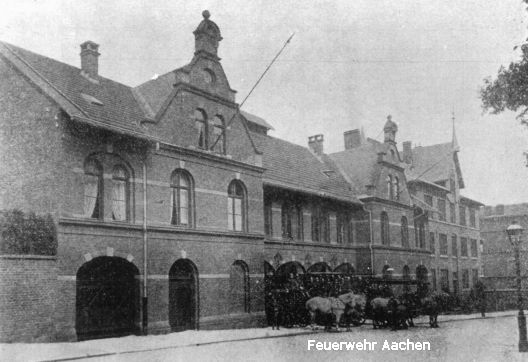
(434, 163)
(359, 164)
(257, 120)
(292, 166)
(469, 201)
(103, 101)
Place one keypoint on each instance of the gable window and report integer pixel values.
(180, 198)
(441, 209)
(200, 121)
(396, 185)
(389, 187)
(385, 232)
(236, 199)
(93, 189)
(120, 186)
(404, 232)
(217, 142)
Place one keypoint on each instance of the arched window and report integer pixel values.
(386, 272)
(181, 187)
(404, 232)
(93, 189)
(120, 187)
(236, 206)
(385, 233)
(239, 287)
(200, 121)
(217, 142)
(396, 188)
(389, 187)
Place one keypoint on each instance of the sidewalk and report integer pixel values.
(112, 346)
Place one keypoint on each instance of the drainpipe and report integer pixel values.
(145, 252)
(370, 244)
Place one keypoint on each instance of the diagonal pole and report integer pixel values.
(252, 89)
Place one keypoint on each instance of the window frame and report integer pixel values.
(175, 194)
(385, 228)
(203, 137)
(232, 198)
(126, 181)
(95, 172)
(404, 232)
(214, 135)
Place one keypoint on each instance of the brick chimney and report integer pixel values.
(407, 152)
(315, 143)
(353, 139)
(89, 59)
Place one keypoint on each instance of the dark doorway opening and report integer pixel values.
(107, 299)
(183, 296)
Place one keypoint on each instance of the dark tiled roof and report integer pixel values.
(432, 163)
(360, 164)
(107, 102)
(293, 166)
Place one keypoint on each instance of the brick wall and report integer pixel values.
(27, 298)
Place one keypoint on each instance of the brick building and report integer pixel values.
(497, 252)
(171, 206)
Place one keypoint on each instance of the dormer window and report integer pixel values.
(389, 187)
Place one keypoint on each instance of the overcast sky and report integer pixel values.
(350, 64)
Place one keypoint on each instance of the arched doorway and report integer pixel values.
(183, 295)
(292, 267)
(239, 287)
(320, 267)
(107, 298)
(345, 268)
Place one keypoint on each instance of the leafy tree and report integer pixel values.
(509, 91)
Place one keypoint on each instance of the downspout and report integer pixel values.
(145, 252)
(370, 244)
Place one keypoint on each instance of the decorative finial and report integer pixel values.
(206, 14)
(389, 118)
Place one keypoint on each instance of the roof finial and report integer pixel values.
(389, 118)
(206, 14)
(454, 142)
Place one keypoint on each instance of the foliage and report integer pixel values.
(27, 233)
(509, 91)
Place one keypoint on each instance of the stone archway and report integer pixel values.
(107, 298)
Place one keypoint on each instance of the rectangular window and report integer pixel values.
(455, 282)
(443, 244)
(234, 214)
(465, 279)
(432, 242)
(316, 215)
(268, 219)
(454, 245)
(428, 200)
(184, 203)
(463, 247)
(444, 280)
(472, 218)
(452, 215)
(441, 209)
(341, 228)
(474, 252)
(462, 214)
(325, 226)
(238, 215)
(433, 279)
(475, 276)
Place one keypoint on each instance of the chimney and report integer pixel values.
(353, 139)
(407, 152)
(89, 59)
(315, 143)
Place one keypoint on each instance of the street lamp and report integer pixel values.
(514, 232)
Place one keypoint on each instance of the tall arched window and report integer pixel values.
(404, 232)
(396, 188)
(120, 186)
(239, 287)
(200, 121)
(389, 187)
(181, 187)
(385, 233)
(236, 206)
(217, 142)
(93, 189)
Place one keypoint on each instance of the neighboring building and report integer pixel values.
(498, 255)
(171, 164)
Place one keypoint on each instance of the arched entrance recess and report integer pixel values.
(107, 298)
(183, 295)
(320, 267)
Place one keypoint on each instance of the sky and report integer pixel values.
(349, 65)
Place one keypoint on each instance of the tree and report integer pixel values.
(509, 91)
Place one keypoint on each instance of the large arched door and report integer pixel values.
(239, 287)
(183, 295)
(107, 298)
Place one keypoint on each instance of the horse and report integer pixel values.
(335, 306)
(380, 312)
(432, 305)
